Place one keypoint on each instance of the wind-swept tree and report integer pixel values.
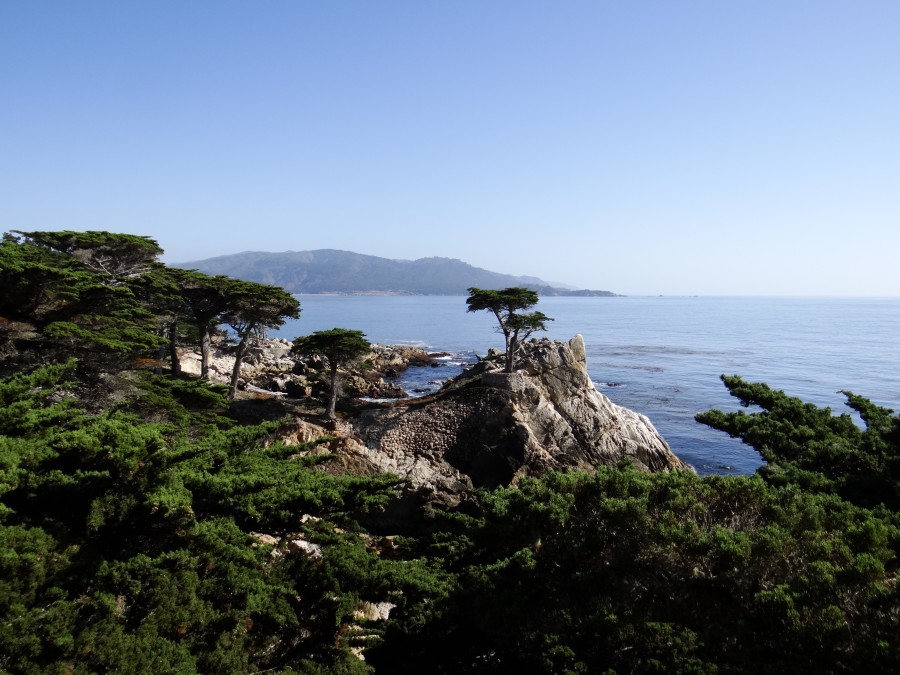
(252, 309)
(205, 299)
(161, 292)
(507, 305)
(811, 447)
(115, 258)
(76, 305)
(38, 285)
(340, 346)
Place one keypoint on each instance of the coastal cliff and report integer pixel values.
(484, 428)
(487, 428)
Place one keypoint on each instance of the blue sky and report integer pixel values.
(711, 148)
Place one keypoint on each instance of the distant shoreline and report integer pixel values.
(395, 294)
(335, 272)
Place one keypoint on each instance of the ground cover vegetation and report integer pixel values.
(145, 528)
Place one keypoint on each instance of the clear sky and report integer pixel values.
(691, 147)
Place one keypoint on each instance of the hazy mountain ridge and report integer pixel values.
(335, 271)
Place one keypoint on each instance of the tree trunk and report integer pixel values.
(511, 347)
(173, 349)
(332, 401)
(238, 358)
(204, 351)
(504, 328)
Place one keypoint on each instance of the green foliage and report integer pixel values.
(810, 447)
(251, 310)
(77, 309)
(103, 332)
(340, 346)
(514, 324)
(28, 414)
(126, 544)
(36, 282)
(115, 258)
(259, 305)
(624, 571)
(201, 298)
(187, 404)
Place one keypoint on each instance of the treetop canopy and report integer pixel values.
(505, 300)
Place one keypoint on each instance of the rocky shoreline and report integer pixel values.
(268, 368)
(483, 428)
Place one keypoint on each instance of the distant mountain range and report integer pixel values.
(331, 271)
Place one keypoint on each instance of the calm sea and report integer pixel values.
(662, 356)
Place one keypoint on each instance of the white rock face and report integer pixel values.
(490, 428)
(220, 365)
(373, 611)
(268, 368)
(308, 548)
(574, 423)
(486, 428)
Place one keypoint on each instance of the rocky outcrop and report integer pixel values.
(265, 357)
(485, 428)
(268, 367)
(577, 426)
(489, 428)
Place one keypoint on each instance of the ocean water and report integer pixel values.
(661, 356)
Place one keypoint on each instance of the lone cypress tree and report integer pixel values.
(505, 305)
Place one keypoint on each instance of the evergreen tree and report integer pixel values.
(72, 308)
(340, 346)
(506, 306)
(114, 258)
(814, 449)
(205, 300)
(127, 546)
(252, 309)
(632, 572)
